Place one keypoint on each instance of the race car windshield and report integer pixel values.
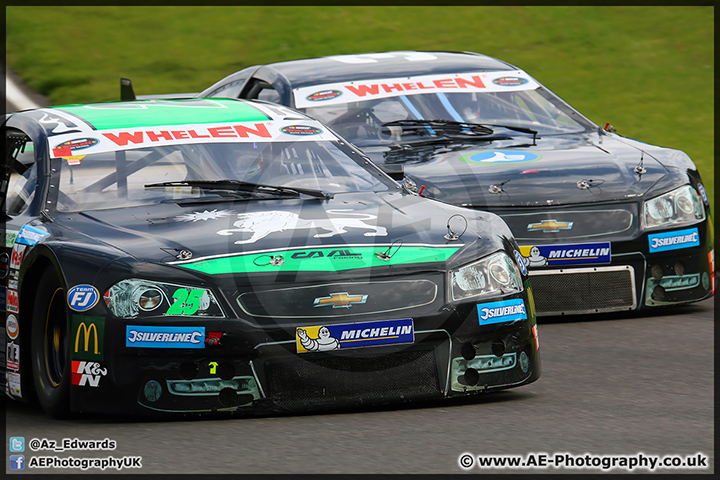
(119, 179)
(362, 122)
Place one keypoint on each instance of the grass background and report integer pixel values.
(648, 70)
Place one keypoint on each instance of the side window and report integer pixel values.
(261, 90)
(20, 176)
(231, 90)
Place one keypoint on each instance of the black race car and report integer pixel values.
(605, 223)
(206, 255)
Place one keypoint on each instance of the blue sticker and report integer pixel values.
(29, 235)
(520, 262)
(82, 298)
(703, 193)
(661, 242)
(164, 337)
(500, 156)
(572, 254)
(354, 335)
(503, 311)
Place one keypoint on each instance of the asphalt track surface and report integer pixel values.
(621, 384)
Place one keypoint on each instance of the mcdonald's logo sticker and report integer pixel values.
(88, 334)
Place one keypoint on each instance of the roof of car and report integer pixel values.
(149, 113)
(341, 68)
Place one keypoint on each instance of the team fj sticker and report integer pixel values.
(500, 157)
(82, 298)
(164, 337)
(471, 82)
(502, 311)
(84, 373)
(661, 242)
(29, 235)
(354, 335)
(572, 254)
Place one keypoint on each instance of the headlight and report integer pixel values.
(493, 275)
(682, 205)
(136, 297)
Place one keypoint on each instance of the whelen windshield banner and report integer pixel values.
(74, 144)
(345, 92)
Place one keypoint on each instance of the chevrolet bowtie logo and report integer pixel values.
(549, 226)
(340, 300)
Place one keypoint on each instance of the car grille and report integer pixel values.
(304, 302)
(579, 224)
(337, 379)
(583, 290)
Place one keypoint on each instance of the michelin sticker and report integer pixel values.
(322, 338)
(502, 311)
(572, 254)
(661, 242)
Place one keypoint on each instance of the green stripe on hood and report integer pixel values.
(321, 259)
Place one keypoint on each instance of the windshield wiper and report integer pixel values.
(451, 127)
(240, 186)
(444, 127)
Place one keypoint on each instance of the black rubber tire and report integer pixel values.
(50, 346)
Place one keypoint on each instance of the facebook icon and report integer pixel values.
(17, 462)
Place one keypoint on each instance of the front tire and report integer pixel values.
(49, 345)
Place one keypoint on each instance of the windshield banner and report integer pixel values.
(346, 92)
(98, 141)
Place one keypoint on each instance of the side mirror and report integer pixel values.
(396, 172)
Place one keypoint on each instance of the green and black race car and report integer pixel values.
(207, 255)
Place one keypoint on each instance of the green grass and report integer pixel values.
(649, 71)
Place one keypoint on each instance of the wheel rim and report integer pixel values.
(55, 340)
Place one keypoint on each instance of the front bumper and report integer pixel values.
(630, 275)
(255, 369)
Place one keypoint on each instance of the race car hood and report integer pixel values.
(513, 173)
(249, 234)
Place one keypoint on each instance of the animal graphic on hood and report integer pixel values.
(262, 224)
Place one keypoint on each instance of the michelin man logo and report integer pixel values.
(323, 343)
(262, 224)
(535, 259)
